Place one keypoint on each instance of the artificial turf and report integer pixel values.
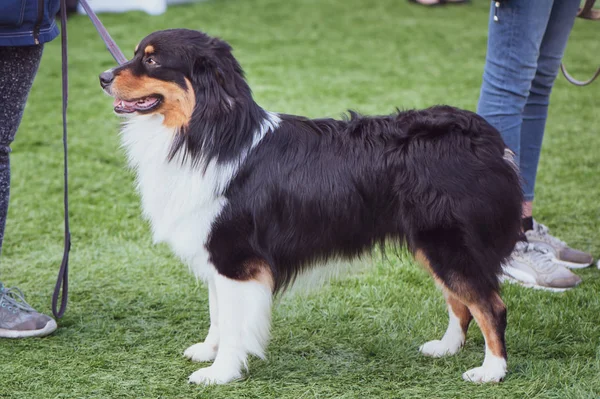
(133, 306)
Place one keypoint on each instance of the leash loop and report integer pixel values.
(576, 82)
(63, 273)
(586, 12)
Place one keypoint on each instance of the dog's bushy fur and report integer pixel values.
(317, 189)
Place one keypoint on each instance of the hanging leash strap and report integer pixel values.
(62, 282)
(63, 273)
(586, 12)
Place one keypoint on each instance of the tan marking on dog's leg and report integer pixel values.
(491, 318)
(459, 318)
(259, 271)
(460, 310)
(490, 315)
(424, 261)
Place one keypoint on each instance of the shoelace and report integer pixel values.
(14, 298)
(542, 258)
(544, 233)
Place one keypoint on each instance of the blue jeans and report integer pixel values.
(525, 48)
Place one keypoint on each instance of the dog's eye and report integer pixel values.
(151, 61)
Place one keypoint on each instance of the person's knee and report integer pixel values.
(7, 135)
(543, 82)
(506, 94)
(4, 147)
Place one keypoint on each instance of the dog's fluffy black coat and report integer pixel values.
(317, 189)
(309, 191)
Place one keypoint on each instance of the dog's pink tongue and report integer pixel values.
(124, 104)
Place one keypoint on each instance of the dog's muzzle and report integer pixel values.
(106, 78)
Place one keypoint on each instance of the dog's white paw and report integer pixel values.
(439, 348)
(214, 375)
(201, 352)
(485, 374)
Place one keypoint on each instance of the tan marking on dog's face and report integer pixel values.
(177, 104)
(149, 50)
(137, 46)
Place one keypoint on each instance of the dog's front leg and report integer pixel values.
(207, 351)
(244, 316)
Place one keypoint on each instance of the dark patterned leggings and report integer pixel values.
(18, 66)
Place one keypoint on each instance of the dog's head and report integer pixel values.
(176, 73)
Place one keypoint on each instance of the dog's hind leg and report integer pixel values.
(244, 315)
(471, 289)
(490, 315)
(207, 350)
(459, 319)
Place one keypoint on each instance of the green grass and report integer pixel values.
(134, 308)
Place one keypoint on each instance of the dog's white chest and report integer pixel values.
(180, 200)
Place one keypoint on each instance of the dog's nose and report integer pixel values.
(106, 78)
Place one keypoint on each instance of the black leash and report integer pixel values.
(586, 12)
(63, 274)
(112, 47)
(576, 82)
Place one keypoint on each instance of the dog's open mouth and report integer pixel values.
(143, 104)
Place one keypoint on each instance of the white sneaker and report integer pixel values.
(536, 267)
(569, 257)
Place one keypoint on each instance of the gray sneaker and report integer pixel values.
(569, 257)
(532, 266)
(18, 319)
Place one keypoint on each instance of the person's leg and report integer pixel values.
(514, 43)
(511, 62)
(514, 46)
(535, 112)
(18, 66)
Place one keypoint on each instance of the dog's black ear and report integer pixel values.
(209, 83)
(215, 75)
(225, 117)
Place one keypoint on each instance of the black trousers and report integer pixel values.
(18, 66)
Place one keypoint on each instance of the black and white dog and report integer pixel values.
(250, 199)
